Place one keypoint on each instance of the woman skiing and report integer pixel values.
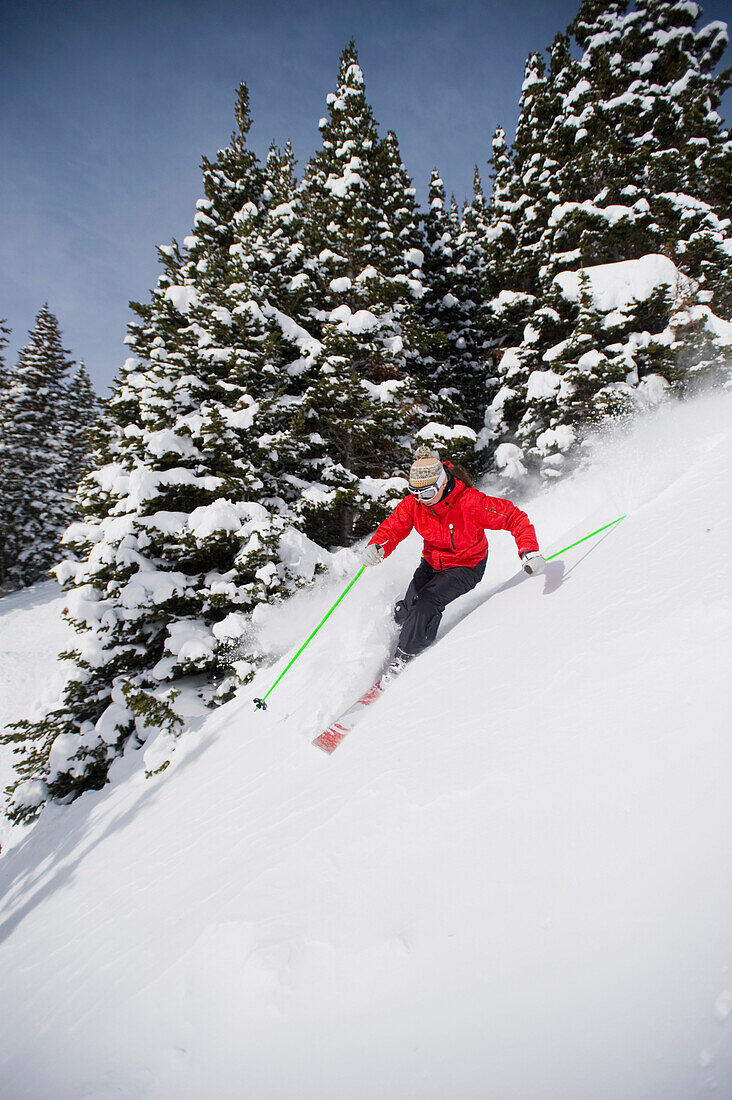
(452, 518)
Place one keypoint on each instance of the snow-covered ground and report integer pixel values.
(512, 880)
(32, 634)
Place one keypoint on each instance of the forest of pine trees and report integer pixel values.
(311, 328)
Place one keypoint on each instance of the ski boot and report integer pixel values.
(396, 666)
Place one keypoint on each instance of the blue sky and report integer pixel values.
(108, 106)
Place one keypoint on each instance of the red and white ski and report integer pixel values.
(331, 738)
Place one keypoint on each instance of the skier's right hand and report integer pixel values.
(372, 554)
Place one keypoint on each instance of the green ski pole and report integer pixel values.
(260, 703)
(586, 537)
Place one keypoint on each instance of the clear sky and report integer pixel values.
(108, 106)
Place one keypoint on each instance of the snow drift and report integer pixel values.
(511, 880)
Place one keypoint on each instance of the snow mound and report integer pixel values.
(614, 286)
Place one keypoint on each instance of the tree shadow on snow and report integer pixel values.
(56, 840)
(25, 599)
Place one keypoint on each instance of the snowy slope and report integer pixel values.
(511, 880)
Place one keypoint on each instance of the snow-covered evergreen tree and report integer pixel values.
(440, 308)
(271, 287)
(174, 548)
(632, 154)
(35, 497)
(4, 337)
(501, 229)
(456, 258)
(78, 415)
(473, 362)
(535, 168)
(361, 406)
(637, 129)
(518, 206)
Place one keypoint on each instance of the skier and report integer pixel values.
(452, 517)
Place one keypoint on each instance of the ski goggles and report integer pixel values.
(428, 492)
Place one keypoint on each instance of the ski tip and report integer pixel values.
(331, 738)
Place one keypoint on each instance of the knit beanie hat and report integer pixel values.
(425, 469)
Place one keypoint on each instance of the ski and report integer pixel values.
(331, 738)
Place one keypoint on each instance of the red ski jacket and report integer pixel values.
(454, 529)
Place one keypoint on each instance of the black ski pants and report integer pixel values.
(429, 593)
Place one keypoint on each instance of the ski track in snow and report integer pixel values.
(511, 880)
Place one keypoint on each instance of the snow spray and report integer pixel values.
(260, 703)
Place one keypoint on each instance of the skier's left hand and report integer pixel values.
(533, 563)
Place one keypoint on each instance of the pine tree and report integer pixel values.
(502, 311)
(361, 406)
(646, 133)
(440, 309)
(523, 196)
(675, 114)
(4, 382)
(439, 240)
(454, 276)
(399, 236)
(501, 231)
(35, 498)
(271, 288)
(621, 153)
(77, 420)
(517, 213)
(534, 168)
(174, 548)
(473, 363)
(233, 181)
(4, 338)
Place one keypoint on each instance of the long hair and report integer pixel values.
(459, 472)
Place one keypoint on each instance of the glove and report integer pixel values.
(372, 554)
(533, 563)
